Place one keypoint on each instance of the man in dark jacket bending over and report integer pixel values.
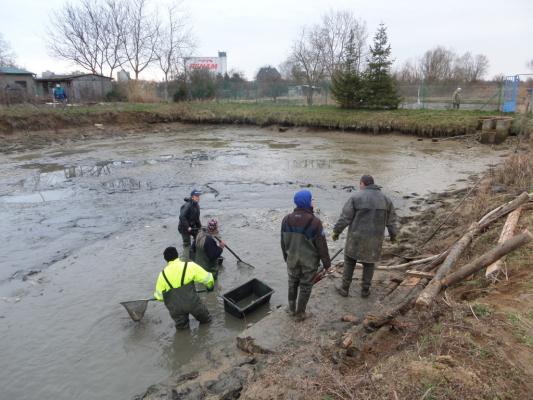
(189, 224)
(366, 214)
(303, 244)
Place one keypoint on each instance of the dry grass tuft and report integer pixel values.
(516, 172)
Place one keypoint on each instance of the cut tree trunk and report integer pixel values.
(434, 287)
(507, 232)
(486, 259)
(503, 210)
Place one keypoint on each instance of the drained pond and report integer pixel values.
(84, 225)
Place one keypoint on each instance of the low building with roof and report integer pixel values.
(17, 85)
(80, 88)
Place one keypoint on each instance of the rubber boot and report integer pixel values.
(343, 289)
(291, 308)
(347, 274)
(368, 273)
(293, 294)
(303, 298)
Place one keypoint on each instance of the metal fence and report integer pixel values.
(474, 96)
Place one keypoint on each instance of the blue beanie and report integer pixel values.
(303, 198)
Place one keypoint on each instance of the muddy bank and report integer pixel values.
(424, 123)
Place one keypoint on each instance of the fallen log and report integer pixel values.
(419, 274)
(433, 288)
(503, 210)
(488, 258)
(436, 262)
(507, 233)
(405, 265)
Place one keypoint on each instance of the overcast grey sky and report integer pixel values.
(256, 33)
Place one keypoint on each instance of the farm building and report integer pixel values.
(16, 85)
(80, 88)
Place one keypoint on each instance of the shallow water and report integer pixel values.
(84, 226)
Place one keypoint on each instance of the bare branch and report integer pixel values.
(142, 36)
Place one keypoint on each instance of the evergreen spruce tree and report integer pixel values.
(346, 84)
(382, 91)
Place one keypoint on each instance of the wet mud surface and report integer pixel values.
(85, 223)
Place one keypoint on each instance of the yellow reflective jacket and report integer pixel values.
(173, 272)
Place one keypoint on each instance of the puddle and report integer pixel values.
(431, 151)
(51, 167)
(38, 197)
(283, 145)
(63, 153)
(345, 161)
(26, 157)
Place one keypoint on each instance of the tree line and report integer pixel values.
(444, 65)
(102, 36)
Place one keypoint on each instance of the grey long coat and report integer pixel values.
(367, 213)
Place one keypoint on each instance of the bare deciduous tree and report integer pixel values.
(408, 73)
(7, 57)
(77, 34)
(440, 64)
(469, 68)
(142, 37)
(308, 58)
(437, 64)
(174, 44)
(91, 35)
(115, 28)
(336, 29)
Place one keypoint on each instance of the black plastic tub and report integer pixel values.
(247, 298)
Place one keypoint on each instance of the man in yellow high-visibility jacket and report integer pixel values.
(175, 287)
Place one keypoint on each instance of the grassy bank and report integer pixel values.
(427, 123)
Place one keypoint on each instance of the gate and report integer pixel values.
(510, 92)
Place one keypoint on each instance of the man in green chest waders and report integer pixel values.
(175, 287)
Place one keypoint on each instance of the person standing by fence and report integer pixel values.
(456, 98)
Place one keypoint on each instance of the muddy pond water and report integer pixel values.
(84, 225)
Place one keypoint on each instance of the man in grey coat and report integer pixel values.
(366, 214)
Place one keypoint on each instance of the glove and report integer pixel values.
(335, 236)
(210, 289)
(326, 267)
(393, 239)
